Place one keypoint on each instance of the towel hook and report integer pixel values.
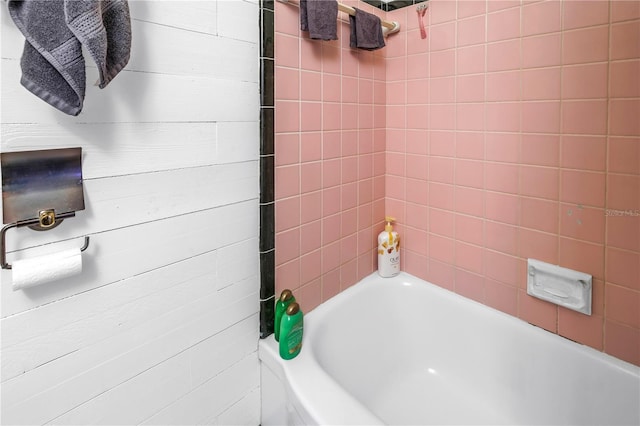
(47, 219)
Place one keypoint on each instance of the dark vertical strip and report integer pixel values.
(267, 169)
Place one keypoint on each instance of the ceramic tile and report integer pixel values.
(267, 176)
(622, 10)
(623, 114)
(538, 312)
(504, 147)
(584, 81)
(503, 55)
(287, 276)
(287, 82)
(470, 145)
(584, 152)
(442, 63)
(469, 229)
(287, 213)
(539, 214)
(623, 268)
(573, 113)
(470, 116)
(310, 177)
(623, 229)
(470, 60)
(581, 328)
(503, 25)
(310, 266)
(584, 188)
(267, 316)
(468, 8)
(501, 267)
(542, 51)
(540, 150)
(286, 47)
(471, 31)
(501, 237)
(287, 246)
(503, 86)
(267, 227)
(441, 11)
(624, 79)
(585, 45)
(503, 117)
(267, 129)
(501, 177)
(541, 117)
(582, 256)
(503, 208)
(500, 296)
(469, 173)
(538, 245)
(470, 88)
(441, 248)
(469, 285)
(469, 201)
(267, 274)
(625, 40)
(624, 155)
(330, 230)
(441, 222)
(441, 273)
(627, 305)
(331, 172)
(541, 83)
(585, 13)
(622, 341)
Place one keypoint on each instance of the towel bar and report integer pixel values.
(389, 27)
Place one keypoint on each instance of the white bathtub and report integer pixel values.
(403, 351)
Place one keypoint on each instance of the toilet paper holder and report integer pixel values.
(33, 179)
(50, 220)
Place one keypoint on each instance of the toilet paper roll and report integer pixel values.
(42, 269)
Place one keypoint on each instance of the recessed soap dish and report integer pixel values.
(564, 287)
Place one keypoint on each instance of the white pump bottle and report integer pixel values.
(388, 250)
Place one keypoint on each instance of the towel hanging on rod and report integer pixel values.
(389, 27)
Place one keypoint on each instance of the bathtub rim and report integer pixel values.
(405, 278)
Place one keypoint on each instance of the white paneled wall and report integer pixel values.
(162, 325)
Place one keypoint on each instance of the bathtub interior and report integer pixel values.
(413, 353)
(403, 351)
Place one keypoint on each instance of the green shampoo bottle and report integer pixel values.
(291, 332)
(286, 298)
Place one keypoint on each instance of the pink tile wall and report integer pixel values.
(531, 149)
(511, 132)
(330, 159)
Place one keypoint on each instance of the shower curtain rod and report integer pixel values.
(389, 27)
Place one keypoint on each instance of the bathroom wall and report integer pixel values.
(329, 158)
(162, 325)
(512, 134)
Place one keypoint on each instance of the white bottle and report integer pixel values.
(388, 251)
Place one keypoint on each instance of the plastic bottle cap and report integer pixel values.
(293, 308)
(285, 295)
(388, 227)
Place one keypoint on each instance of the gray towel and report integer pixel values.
(366, 31)
(52, 63)
(104, 29)
(320, 18)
